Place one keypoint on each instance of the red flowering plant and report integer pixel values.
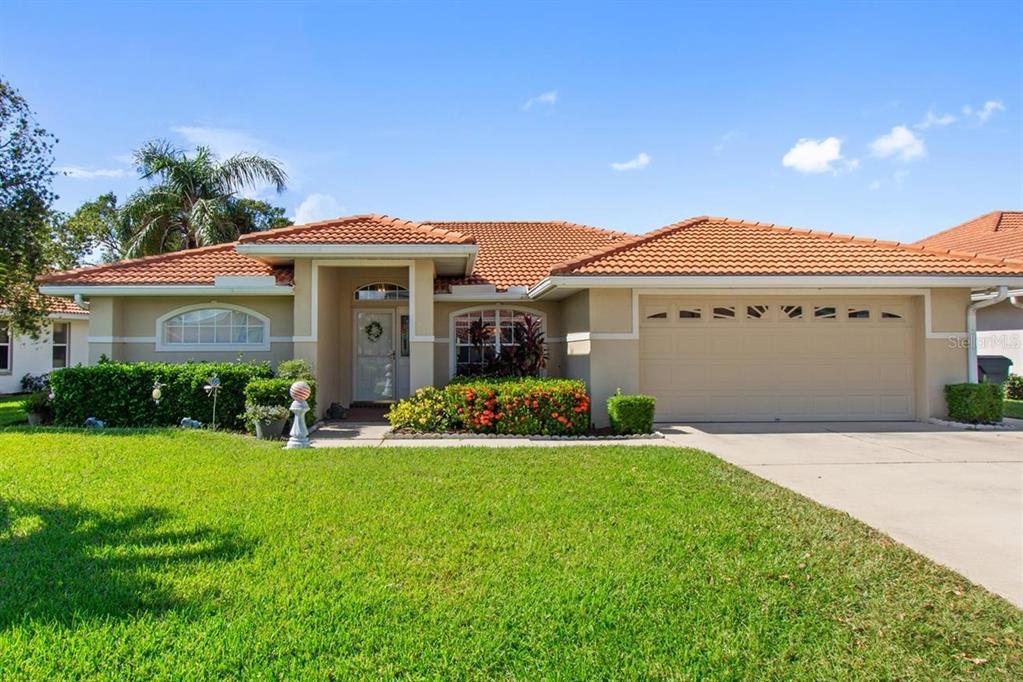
(520, 406)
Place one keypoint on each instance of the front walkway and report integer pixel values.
(342, 434)
(954, 496)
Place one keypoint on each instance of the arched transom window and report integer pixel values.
(217, 327)
(480, 335)
(381, 291)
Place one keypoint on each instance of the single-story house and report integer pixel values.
(719, 319)
(998, 234)
(62, 342)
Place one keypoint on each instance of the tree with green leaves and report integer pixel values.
(97, 227)
(26, 159)
(192, 201)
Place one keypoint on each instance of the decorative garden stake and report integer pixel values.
(300, 391)
(157, 391)
(212, 389)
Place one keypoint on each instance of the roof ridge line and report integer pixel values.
(447, 235)
(566, 223)
(618, 247)
(102, 267)
(873, 241)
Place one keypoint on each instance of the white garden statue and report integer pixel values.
(300, 392)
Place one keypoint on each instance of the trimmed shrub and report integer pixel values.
(294, 369)
(120, 394)
(1013, 387)
(631, 413)
(974, 403)
(427, 410)
(524, 407)
(272, 392)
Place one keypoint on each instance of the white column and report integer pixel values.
(421, 338)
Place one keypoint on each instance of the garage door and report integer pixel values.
(768, 359)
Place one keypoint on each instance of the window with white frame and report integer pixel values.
(61, 343)
(6, 343)
(381, 291)
(214, 327)
(481, 335)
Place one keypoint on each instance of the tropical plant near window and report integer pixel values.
(193, 199)
(528, 356)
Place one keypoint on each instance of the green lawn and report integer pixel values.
(186, 554)
(1013, 408)
(12, 410)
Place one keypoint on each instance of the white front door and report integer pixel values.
(374, 375)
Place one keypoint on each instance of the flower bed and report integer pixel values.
(515, 406)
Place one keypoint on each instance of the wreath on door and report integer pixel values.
(374, 330)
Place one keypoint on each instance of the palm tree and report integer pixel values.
(192, 201)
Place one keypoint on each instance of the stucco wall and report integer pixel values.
(940, 361)
(125, 328)
(35, 356)
(1000, 316)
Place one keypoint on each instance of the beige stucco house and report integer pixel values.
(998, 234)
(719, 319)
(62, 342)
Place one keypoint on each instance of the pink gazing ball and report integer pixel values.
(300, 390)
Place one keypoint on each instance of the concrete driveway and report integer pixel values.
(954, 496)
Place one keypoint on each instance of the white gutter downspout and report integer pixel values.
(971, 330)
(81, 302)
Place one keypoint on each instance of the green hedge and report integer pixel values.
(1013, 387)
(121, 393)
(631, 413)
(524, 406)
(275, 392)
(974, 403)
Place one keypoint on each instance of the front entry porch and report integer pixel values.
(370, 325)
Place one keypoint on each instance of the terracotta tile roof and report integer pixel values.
(194, 266)
(57, 305)
(359, 229)
(521, 253)
(998, 234)
(721, 246)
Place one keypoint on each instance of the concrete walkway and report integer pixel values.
(354, 434)
(954, 496)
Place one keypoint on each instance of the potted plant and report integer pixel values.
(37, 406)
(269, 420)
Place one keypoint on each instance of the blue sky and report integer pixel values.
(891, 120)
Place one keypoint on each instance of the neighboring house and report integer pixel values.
(63, 342)
(719, 319)
(998, 234)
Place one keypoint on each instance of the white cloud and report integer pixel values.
(814, 156)
(223, 141)
(932, 120)
(86, 174)
(548, 98)
(876, 185)
(727, 139)
(641, 160)
(318, 207)
(898, 177)
(986, 111)
(901, 143)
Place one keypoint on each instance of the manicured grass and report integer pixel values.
(12, 410)
(184, 554)
(1013, 408)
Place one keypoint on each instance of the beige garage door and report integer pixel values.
(768, 359)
